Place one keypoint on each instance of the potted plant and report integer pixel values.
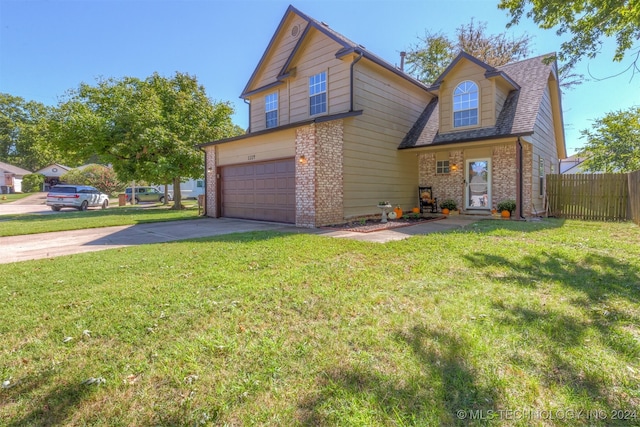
(448, 205)
(506, 207)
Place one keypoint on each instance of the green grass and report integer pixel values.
(296, 329)
(15, 225)
(8, 198)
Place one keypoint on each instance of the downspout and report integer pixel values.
(519, 178)
(352, 78)
(249, 104)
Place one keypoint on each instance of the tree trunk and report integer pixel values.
(177, 197)
(166, 194)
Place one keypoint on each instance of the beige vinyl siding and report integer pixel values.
(318, 55)
(501, 93)
(544, 145)
(374, 169)
(466, 70)
(275, 145)
(280, 52)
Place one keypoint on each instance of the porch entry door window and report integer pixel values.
(478, 188)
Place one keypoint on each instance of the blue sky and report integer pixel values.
(49, 47)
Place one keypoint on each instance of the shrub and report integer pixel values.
(32, 182)
(101, 177)
(507, 205)
(449, 204)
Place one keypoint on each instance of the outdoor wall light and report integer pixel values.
(454, 167)
(209, 170)
(302, 160)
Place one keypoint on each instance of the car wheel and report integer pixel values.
(161, 199)
(105, 204)
(84, 206)
(55, 208)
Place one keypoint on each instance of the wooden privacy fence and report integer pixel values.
(603, 197)
(634, 196)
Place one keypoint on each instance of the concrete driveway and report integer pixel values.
(48, 245)
(34, 203)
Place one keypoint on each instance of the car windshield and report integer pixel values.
(63, 190)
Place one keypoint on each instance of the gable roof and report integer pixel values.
(518, 114)
(489, 71)
(13, 169)
(346, 47)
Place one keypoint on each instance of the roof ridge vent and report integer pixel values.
(324, 23)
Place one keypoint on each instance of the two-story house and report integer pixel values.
(334, 129)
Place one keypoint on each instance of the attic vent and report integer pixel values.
(295, 31)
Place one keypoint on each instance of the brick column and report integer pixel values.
(212, 182)
(305, 176)
(329, 173)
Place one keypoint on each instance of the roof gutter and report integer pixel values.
(352, 79)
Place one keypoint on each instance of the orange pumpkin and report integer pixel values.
(398, 212)
(415, 210)
(445, 211)
(505, 214)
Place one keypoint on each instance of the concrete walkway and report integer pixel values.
(49, 245)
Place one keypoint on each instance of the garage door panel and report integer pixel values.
(263, 191)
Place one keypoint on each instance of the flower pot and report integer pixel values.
(505, 214)
(445, 211)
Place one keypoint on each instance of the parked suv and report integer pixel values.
(146, 194)
(80, 197)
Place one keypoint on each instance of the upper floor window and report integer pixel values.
(318, 94)
(465, 104)
(271, 109)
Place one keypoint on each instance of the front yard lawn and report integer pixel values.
(508, 323)
(8, 198)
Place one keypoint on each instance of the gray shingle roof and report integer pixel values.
(517, 117)
(13, 169)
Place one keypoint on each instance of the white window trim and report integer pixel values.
(326, 92)
(453, 109)
(266, 110)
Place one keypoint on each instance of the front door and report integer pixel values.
(478, 184)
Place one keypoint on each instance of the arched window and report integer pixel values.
(465, 104)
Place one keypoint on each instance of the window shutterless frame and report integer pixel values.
(318, 94)
(271, 110)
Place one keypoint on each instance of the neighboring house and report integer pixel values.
(334, 129)
(575, 165)
(572, 164)
(189, 189)
(11, 178)
(52, 173)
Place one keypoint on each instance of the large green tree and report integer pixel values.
(429, 57)
(24, 134)
(146, 129)
(613, 142)
(587, 21)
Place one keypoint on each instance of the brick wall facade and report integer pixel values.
(445, 186)
(305, 176)
(319, 183)
(503, 180)
(211, 172)
(505, 173)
